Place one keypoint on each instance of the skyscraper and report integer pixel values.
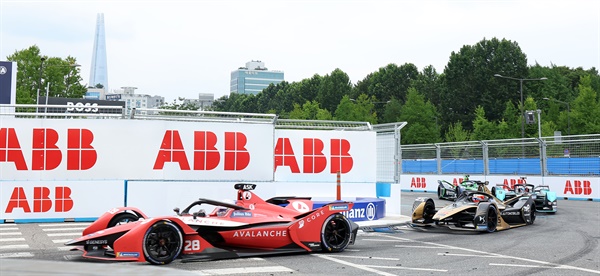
(98, 72)
(253, 78)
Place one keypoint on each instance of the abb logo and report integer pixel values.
(313, 159)
(41, 200)
(45, 153)
(578, 187)
(206, 155)
(457, 181)
(418, 182)
(509, 184)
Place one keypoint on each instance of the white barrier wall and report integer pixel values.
(571, 187)
(59, 199)
(79, 149)
(168, 164)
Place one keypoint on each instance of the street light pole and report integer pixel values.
(568, 113)
(37, 99)
(522, 103)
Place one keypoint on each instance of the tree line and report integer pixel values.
(466, 101)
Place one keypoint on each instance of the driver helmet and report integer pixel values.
(477, 198)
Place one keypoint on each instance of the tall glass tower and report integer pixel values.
(98, 72)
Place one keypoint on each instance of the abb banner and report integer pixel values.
(313, 155)
(134, 149)
(572, 187)
(58, 199)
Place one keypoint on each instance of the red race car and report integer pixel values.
(250, 227)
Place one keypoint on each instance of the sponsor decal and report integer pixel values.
(368, 212)
(259, 233)
(42, 201)
(314, 216)
(418, 182)
(578, 187)
(128, 254)
(46, 154)
(206, 155)
(96, 242)
(248, 187)
(315, 161)
(338, 207)
(241, 214)
(301, 224)
(204, 221)
(300, 206)
(247, 195)
(313, 244)
(511, 213)
(481, 220)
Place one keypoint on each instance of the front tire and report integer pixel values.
(163, 243)
(492, 218)
(336, 233)
(440, 192)
(529, 216)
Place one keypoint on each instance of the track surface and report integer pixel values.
(560, 244)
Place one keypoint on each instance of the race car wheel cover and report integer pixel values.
(336, 233)
(122, 218)
(162, 243)
(492, 218)
(429, 211)
(440, 192)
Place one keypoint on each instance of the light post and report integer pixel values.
(37, 100)
(522, 103)
(568, 113)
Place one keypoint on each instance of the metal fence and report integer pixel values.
(559, 155)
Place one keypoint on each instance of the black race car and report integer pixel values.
(477, 211)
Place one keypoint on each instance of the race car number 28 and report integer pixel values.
(191, 245)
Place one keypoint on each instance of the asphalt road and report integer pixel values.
(560, 244)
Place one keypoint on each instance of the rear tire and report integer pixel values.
(439, 192)
(492, 218)
(336, 233)
(163, 243)
(529, 216)
(429, 210)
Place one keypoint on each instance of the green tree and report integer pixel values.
(456, 133)
(37, 71)
(482, 128)
(470, 82)
(585, 111)
(309, 111)
(392, 111)
(361, 110)
(333, 87)
(420, 116)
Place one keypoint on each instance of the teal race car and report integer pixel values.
(545, 200)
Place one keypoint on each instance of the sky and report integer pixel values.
(180, 48)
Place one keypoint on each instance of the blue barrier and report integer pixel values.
(530, 166)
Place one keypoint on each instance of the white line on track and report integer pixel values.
(533, 266)
(12, 239)
(469, 255)
(549, 264)
(244, 270)
(61, 241)
(409, 268)
(420, 246)
(65, 248)
(370, 258)
(383, 240)
(6, 224)
(9, 228)
(361, 267)
(64, 224)
(14, 246)
(63, 234)
(10, 234)
(63, 229)
(13, 255)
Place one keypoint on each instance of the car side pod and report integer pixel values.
(500, 194)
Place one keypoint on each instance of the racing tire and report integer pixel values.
(162, 243)
(529, 218)
(122, 218)
(428, 210)
(492, 218)
(335, 233)
(494, 191)
(440, 192)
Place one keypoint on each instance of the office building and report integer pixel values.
(253, 78)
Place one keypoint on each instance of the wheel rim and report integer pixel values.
(336, 232)
(162, 243)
